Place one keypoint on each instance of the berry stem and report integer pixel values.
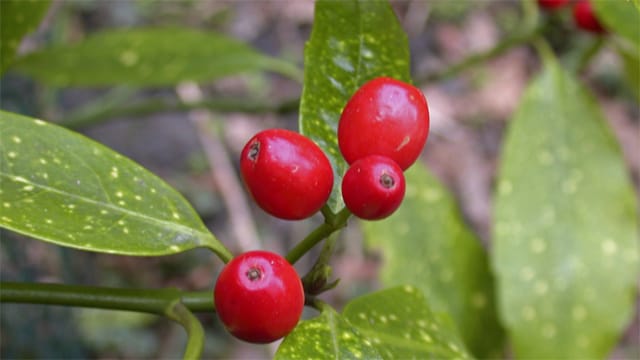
(332, 223)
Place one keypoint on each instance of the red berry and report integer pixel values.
(287, 174)
(373, 187)
(552, 4)
(384, 117)
(259, 297)
(585, 18)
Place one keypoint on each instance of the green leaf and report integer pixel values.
(328, 336)
(145, 57)
(400, 324)
(352, 41)
(390, 324)
(17, 19)
(621, 16)
(566, 240)
(61, 187)
(426, 244)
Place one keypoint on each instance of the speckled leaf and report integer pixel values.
(352, 41)
(61, 187)
(566, 240)
(400, 324)
(147, 57)
(17, 19)
(426, 244)
(328, 336)
(621, 16)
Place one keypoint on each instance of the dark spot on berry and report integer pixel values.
(254, 274)
(254, 150)
(387, 181)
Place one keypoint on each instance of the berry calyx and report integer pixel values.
(585, 18)
(287, 174)
(373, 187)
(552, 4)
(384, 117)
(259, 297)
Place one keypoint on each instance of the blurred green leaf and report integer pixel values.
(17, 19)
(146, 57)
(61, 187)
(426, 244)
(400, 324)
(390, 324)
(352, 41)
(621, 16)
(566, 240)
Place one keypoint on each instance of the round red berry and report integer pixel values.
(373, 187)
(552, 4)
(259, 297)
(585, 18)
(384, 117)
(287, 174)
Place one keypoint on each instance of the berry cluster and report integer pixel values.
(381, 132)
(259, 296)
(583, 14)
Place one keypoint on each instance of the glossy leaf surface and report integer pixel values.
(147, 57)
(61, 187)
(17, 19)
(566, 225)
(389, 324)
(426, 244)
(622, 17)
(352, 41)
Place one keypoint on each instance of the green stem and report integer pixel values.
(333, 222)
(96, 114)
(195, 333)
(481, 57)
(153, 301)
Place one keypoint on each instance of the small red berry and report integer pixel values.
(287, 174)
(552, 4)
(585, 18)
(373, 187)
(384, 117)
(259, 297)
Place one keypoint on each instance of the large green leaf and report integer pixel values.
(17, 19)
(61, 187)
(566, 240)
(352, 41)
(426, 244)
(147, 57)
(621, 16)
(390, 324)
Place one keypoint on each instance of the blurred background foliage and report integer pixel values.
(469, 113)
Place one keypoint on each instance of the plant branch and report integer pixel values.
(472, 60)
(195, 333)
(95, 114)
(154, 301)
(333, 222)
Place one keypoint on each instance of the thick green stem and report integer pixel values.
(481, 57)
(195, 333)
(333, 222)
(153, 301)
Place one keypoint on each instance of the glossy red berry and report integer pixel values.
(259, 297)
(585, 18)
(384, 117)
(552, 4)
(373, 187)
(287, 174)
